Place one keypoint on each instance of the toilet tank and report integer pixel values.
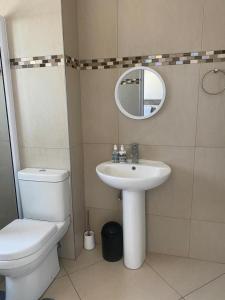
(45, 194)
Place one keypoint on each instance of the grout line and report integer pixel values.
(194, 162)
(182, 147)
(209, 221)
(203, 22)
(81, 268)
(197, 109)
(61, 276)
(97, 208)
(117, 28)
(204, 285)
(74, 287)
(151, 267)
(191, 258)
(168, 217)
(162, 216)
(45, 148)
(84, 268)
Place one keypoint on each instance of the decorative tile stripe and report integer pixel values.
(124, 62)
(71, 62)
(130, 81)
(37, 61)
(154, 60)
(44, 61)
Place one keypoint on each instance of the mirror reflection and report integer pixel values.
(140, 93)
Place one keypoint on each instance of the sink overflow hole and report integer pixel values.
(133, 168)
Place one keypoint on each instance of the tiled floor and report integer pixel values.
(162, 277)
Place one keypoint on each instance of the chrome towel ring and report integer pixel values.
(214, 71)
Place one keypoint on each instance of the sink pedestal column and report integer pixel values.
(134, 232)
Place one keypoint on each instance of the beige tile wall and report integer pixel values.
(76, 155)
(97, 28)
(72, 81)
(186, 215)
(70, 28)
(97, 99)
(165, 26)
(34, 29)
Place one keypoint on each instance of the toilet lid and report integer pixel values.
(24, 237)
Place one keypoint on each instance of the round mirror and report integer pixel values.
(140, 93)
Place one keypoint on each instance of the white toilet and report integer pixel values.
(28, 247)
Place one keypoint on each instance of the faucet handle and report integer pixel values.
(134, 146)
(134, 152)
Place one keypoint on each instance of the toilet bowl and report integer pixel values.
(28, 247)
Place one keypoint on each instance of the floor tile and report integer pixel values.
(62, 271)
(61, 289)
(212, 291)
(184, 274)
(86, 259)
(113, 281)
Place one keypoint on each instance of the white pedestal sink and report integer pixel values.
(134, 180)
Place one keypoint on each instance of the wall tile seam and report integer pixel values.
(185, 219)
(99, 208)
(43, 147)
(207, 221)
(186, 58)
(180, 147)
(148, 214)
(194, 166)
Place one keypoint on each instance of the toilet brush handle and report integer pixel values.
(88, 223)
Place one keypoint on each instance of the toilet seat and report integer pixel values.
(24, 237)
(18, 266)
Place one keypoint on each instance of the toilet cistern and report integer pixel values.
(134, 180)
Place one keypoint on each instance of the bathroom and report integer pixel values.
(62, 62)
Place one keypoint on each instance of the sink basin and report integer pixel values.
(134, 180)
(145, 175)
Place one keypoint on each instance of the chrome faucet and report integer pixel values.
(134, 153)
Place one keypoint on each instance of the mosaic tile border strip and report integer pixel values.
(37, 61)
(124, 62)
(72, 62)
(44, 61)
(154, 60)
(130, 81)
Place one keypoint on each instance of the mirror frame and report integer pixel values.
(122, 110)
